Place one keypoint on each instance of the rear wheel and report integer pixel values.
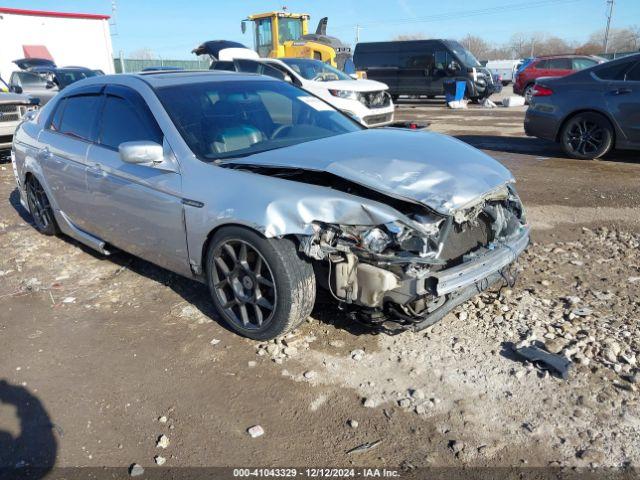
(528, 94)
(40, 208)
(587, 136)
(261, 287)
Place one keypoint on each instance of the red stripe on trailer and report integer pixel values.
(45, 13)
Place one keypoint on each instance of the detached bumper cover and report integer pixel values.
(476, 270)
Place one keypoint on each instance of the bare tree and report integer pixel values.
(620, 39)
(519, 45)
(143, 54)
(476, 45)
(409, 36)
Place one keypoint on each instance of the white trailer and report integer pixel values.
(505, 68)
(70, 39)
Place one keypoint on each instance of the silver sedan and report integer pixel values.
(264, 192)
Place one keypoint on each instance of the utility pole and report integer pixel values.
(358, 27)
(114, 23)
(606, 31)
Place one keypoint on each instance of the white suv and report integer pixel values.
(367, 101)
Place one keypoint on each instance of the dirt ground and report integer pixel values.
(101, 356)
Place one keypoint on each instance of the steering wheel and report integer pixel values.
(278, 131)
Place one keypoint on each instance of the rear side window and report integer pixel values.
(582, 63)
(57, 115)
(560, 64)
(79, 116)
(124, 122)
(614, 71)
(634, 74)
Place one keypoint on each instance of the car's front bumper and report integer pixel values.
(6, 134)
(458, 284)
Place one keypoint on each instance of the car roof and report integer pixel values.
(159, 79)
(568, 55)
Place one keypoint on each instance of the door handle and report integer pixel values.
(622, 91)
(45, 154)
(95, 169)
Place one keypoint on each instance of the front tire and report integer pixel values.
(40, 208)
(587, 136)
(260, 287)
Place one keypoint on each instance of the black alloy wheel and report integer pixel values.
(261, 287)
(587, 136)
(243, 283)
(40, 208)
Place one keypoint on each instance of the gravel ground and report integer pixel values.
(462, 377)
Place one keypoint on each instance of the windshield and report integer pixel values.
(3, 86)
(221, 120)
(315, 70)
(464, 55)
(65, 77)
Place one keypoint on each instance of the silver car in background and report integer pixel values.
(263, 191)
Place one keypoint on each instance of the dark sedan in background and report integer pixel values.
(591, 111)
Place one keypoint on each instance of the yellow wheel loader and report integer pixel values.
(284, 34)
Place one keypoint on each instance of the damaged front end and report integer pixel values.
(409, 274)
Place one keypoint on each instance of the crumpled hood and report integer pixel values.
(435, 170)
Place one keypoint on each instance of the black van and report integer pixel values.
(420, 67)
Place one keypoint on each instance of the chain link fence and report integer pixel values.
(131, 65)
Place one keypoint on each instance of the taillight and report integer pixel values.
(540, 91)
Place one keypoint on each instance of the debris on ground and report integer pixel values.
(457, 104)
(136, 470)
(552, 360)
(486, 103)
(159, 460)
(513, 101)
(364, 447)
(163, 441)
(255, 431)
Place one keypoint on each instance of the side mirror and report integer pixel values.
(17, 89)
(141, 152)
(50, 85)
(243, 27)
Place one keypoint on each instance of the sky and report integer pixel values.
(173, 28)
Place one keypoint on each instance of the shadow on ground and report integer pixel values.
(30, 454)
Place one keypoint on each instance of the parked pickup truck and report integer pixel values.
(12, 107)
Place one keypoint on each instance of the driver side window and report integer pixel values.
(124, 122)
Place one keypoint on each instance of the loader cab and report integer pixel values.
(271, 30)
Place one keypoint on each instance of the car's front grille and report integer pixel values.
(9, 113)
(5, 139)
(376, 119)
(375, 99)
